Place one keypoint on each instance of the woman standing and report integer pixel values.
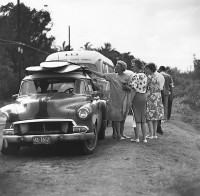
(139, 83)
(119, 101)
(155, 110)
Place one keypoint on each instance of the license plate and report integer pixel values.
(41, 140)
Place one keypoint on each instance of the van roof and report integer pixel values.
(80, 57)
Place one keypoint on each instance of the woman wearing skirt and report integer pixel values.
(139, 83)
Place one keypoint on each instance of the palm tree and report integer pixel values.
(65, 47)
(87, 46)
(108, 51)
(127, 57)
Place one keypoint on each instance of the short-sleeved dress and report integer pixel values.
(155, 110)
(119, 101)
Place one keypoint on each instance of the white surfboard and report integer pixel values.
(35, 69)
(53, 64)
(69, 68)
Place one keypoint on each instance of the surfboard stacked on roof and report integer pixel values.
(67, 61)
(54, 66)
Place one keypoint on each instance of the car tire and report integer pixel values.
(88, 146)
(12, 149)
(102, 130)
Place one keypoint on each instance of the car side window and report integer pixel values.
(80, 87)
(28, 87)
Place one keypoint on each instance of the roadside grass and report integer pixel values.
(188, 114)
(182, 179)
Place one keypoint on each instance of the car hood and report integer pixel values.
(44, 106)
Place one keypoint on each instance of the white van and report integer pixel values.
(92, 59)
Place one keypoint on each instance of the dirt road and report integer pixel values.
(116, 167)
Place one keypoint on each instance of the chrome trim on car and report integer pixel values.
(54, 137)
(45, 120)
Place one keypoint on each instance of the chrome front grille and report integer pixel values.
(41, 128)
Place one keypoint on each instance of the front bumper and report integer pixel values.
(54, 137)
(80, 132)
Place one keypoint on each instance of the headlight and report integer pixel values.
(83, 113)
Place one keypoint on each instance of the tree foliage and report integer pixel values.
(33, 40)
(7, 88)
(87, 46)
(34, 26)
(196, 69)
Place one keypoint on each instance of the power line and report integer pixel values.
(35, 48)
(7, 44)
(22, 44)
(4, 40)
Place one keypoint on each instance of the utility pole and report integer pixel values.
(20, 49)
(69, 40)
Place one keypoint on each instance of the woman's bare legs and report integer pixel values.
(114, 130)
(144, 129)
(136, 130)
(151, 130)
(117, 128)
(155, 125)
(122, 128)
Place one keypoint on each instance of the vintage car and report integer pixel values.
(56, 103)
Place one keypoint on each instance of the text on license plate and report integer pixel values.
(41, 140)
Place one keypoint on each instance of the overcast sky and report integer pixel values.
(166, 32)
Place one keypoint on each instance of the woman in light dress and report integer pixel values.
(119, 101)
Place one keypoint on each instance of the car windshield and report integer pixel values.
(39, 86)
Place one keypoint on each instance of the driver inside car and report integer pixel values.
(66, 88)
(44, 86)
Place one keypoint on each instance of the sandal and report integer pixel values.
(135, 140)
(126, 137)
(149, 137)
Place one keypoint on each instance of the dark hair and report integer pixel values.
(162, 68)
(151, 66)
(138, 63)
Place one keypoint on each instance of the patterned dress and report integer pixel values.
(155, 110)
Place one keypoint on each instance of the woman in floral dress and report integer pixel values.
(155, 110)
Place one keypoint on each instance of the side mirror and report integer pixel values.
(14, 97)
